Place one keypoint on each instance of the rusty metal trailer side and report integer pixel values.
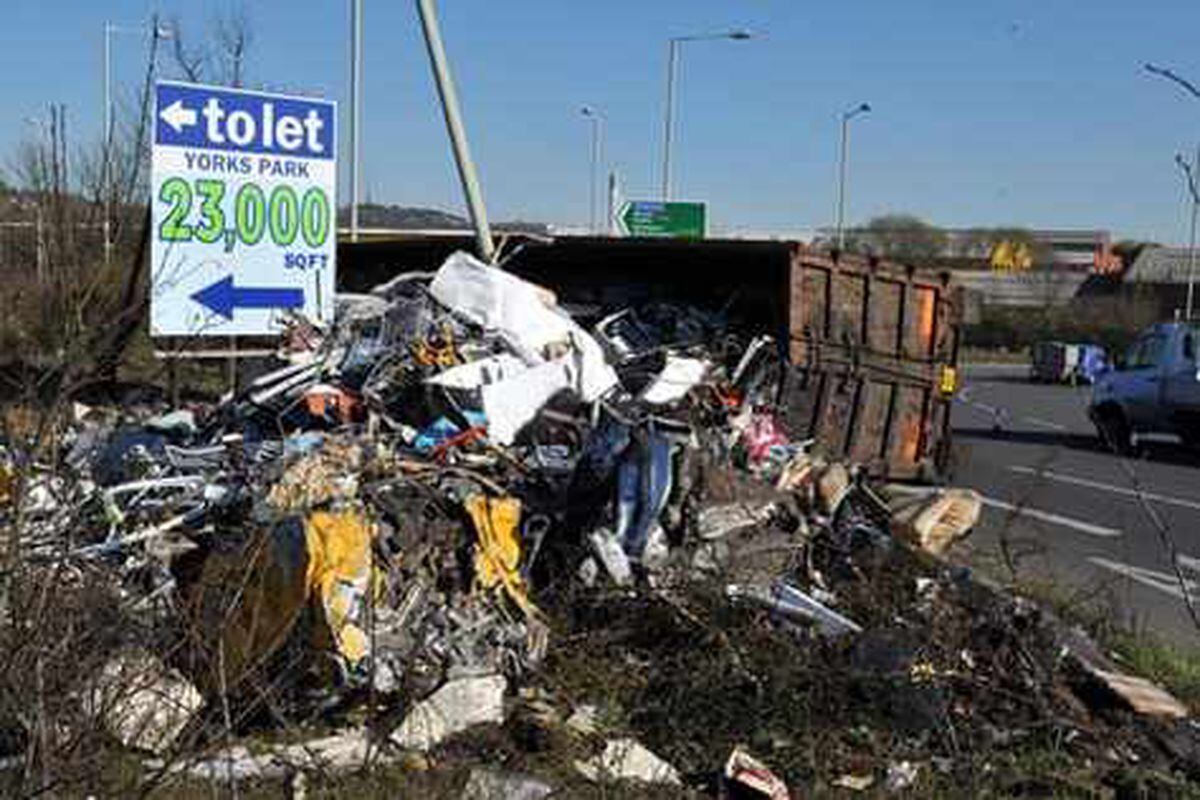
(873, 349)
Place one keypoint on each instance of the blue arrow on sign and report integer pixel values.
(223, 297)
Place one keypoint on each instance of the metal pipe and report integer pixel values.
(356, 70)
(454, 126)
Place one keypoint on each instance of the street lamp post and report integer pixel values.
(844, 150)
(597, 158)
(669, 112)
(356, 70)
(1189, 173)
(1190, 181)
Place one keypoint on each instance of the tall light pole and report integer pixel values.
(669, 112)
(1189, 173)
(356, 69)
(1190, 182)
(844, 150)
(596, 118)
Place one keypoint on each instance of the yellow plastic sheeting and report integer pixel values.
(339, 577)
(498, 553)
(248, 601)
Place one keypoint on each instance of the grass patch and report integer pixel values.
(1175, 668)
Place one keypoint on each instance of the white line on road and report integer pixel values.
(1053, 519)
(1003, 413)
(1106, 487)
(1042, 423)
(1163, 581)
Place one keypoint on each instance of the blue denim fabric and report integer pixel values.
(643, 486)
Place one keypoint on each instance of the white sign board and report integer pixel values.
(244, 199)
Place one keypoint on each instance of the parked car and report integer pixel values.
(1155, 388)
(1064, 362)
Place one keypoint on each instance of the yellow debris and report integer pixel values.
(498, 553)
(247, 601)
(339, 577)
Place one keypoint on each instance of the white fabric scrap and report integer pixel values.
(537, 332)
(477, 374)
(677, 378)
(499, 301)
(511, 404)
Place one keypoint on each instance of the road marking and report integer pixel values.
(1042, 423)
(1054, 519)
(1163, 581)
(1003, 412)
(1106, 487)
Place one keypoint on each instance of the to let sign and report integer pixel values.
(649, 218)
(244, 210)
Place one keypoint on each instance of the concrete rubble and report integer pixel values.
(144, 704)
(453, 708)
(488, 784)
(627, 760)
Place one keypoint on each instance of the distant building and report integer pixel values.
(1080, 250)
(1063, 250)
(1159, 277)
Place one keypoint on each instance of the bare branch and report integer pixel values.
(234, 36)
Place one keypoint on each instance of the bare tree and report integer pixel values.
(221, 59)
(233, 36)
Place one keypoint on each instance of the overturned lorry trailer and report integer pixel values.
(871, 346)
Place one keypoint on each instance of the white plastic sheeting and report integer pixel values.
(558, 353)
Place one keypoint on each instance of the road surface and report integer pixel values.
(1069, 511)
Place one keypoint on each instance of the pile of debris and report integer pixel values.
(463, 506)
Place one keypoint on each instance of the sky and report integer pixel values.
(1029, 113)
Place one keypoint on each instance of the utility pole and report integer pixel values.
(454, 126)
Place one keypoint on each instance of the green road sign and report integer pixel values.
(676, 220)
